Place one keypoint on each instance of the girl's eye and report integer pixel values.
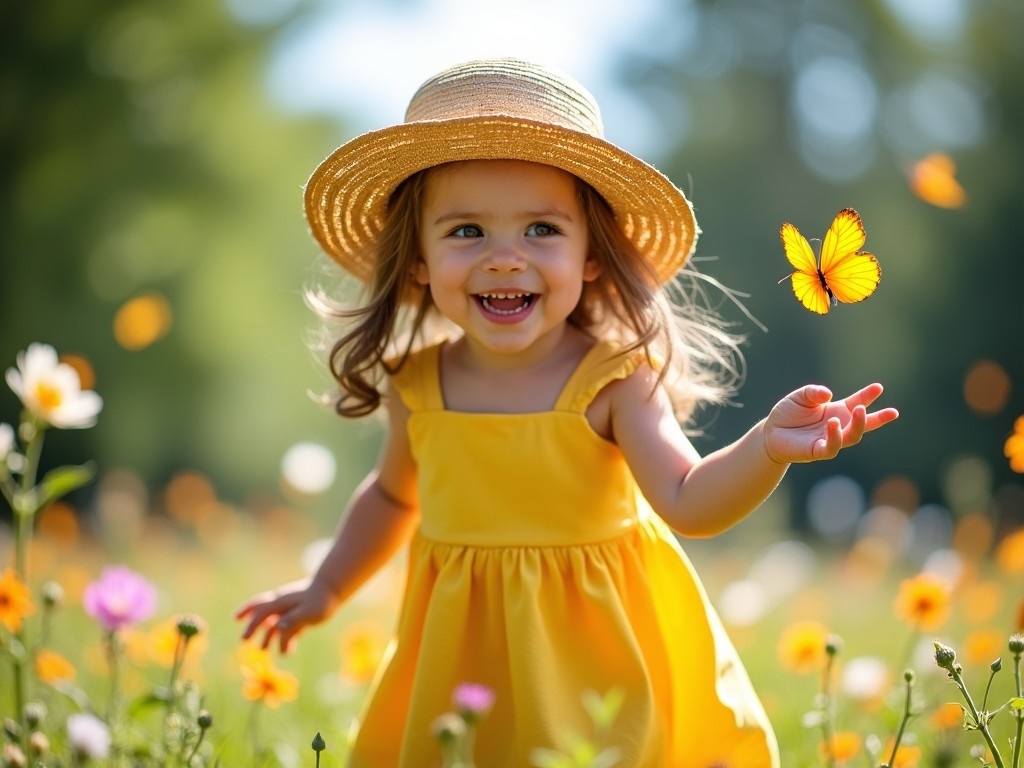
(540, 229)
(467, 230)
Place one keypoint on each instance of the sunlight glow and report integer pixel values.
(308, 468)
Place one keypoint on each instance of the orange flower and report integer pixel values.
(802, 646)
(52, 668)
(923, 601)
(983, 646)
(1014, 447)
(844, 745)
(907, 755)
(263, 681)
(947, 717)
(15, 602)
(362, 648)
(1010, 553)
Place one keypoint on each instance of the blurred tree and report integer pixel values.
(141, 157)
(792, 110)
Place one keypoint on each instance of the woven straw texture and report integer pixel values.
(498, 109)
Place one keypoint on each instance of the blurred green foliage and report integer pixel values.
(141, 152)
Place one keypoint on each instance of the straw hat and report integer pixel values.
(494, 109)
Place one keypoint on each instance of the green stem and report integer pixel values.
(1017, 713)
(199, 742)
(954, 673)
(24, 506)
(903, 722)
(827, 714)
(24, 510)
(988, 687)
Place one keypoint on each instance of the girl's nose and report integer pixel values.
(504, 258)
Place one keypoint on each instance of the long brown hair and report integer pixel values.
(697, 356)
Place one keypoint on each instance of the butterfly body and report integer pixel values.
(842, 272)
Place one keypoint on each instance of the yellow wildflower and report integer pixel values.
(802, 646)
(51, 668)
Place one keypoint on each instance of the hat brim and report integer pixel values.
(347, 195)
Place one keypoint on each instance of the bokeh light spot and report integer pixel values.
(57, 522)
(897, 491)
(188, 495)
(973, 535)
(834, 505)
(967, 484)
(986, 388)
(308, 468)
(142, 320)
(84, 369)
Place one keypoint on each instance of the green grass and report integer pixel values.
(208, 566)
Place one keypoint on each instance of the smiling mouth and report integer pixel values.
(505, 303)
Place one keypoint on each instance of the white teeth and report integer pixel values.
(486, 298)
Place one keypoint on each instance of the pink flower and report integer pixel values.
(120, 597)
(89, 735)
(473, 701)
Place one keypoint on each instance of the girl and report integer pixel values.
(534, 462)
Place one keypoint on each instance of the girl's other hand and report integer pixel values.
(286, 612)
(808, 425)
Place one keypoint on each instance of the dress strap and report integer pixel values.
(604, 363)
(418, 382)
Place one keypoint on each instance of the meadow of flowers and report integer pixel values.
(118, 647)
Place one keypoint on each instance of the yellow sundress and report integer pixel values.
(540, 571)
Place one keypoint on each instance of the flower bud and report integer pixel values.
(908, 675)
(190, 624)
(13, 757)
(1016, 644)
(996, 665)
(35, 713)
(473, 701)
(833, 645)
(319, 745)
(205, 719)
(448, 728)
(11, 729)
(944, 656)
(38, 744)
(53, 594)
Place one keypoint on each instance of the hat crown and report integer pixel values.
(506, 88)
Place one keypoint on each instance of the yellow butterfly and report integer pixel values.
(843, 273)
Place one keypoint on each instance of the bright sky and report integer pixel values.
(365, 60)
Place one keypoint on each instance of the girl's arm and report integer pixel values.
(704, 496)
(381, 517)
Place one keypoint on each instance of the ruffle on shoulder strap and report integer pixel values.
(418, 382)
(604, 363)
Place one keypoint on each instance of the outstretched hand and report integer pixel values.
(808, 425)
(285, 612)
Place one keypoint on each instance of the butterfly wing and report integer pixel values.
(850, 273)
(807, 285)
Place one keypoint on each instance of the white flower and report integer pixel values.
(865, 678)
(52, 390)
(89, 735)
(6, 441)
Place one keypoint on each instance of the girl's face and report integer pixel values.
(504, 250)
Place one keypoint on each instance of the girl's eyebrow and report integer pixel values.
(547, 213)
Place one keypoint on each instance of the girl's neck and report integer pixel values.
(523, 382)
